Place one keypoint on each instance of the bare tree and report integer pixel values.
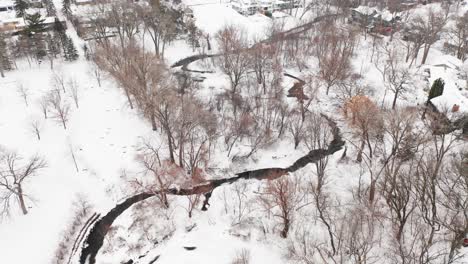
(73, 86)
(61, 109)
(428, 175)
(282, 196)
(296, 127)
(240, 204)
(153, 165)
(318, 136)
(160, 23)
(44, 104)
(395, 75)
(429, 27)
(265, 63)
(24, 92)
(354, 86)
(361, 235)
(58, 80)
(36, 126)
(114, 60)
(234, 62)
(15, 171)
(459, 34)
(242, 257)
(193, 201)
(125, 19)
(96, 72)
(454, 186)
(195, 130)
(334, 49)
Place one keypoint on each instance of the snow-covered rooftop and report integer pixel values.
(455, 92)
(6, 3)
(366, 10)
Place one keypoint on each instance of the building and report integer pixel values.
(7, 6)
(452, 105)
(245, 7)
(17, 24)
(375, 20)
(250, 7)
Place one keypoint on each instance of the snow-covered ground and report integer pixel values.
(104, 136)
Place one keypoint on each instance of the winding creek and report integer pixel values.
(96, 236)
(100, 227)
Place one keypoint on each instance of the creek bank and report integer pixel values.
(95, 238)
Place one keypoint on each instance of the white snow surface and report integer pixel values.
(105, 134)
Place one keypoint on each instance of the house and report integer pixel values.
(383, 22)
(10, 25)
(17, 24)
(245, 7)
(7, 6)
(452, 105)
(364, 15)
(250, 7)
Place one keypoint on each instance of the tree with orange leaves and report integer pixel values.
(363, 115)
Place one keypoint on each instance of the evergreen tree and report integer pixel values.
(20, 7)
(437, 88)
(70, 52)
(35, 23)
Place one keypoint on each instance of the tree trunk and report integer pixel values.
(153, 121)
(2, 74)
(426, 52)
(128, 98)
(171, 147)
(21, 199)
(372, 191)
(361, 149)
(394, 100)
(181, 152)
(284, 232)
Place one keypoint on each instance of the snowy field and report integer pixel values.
(95, 158)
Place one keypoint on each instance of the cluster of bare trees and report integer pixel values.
(408, 206)
(423, 30)
(459, 34)
(161, 22)
(334, 50)
(188, 127)
(409, 201)
(55, 101)
(253, 109)
(186, 123)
